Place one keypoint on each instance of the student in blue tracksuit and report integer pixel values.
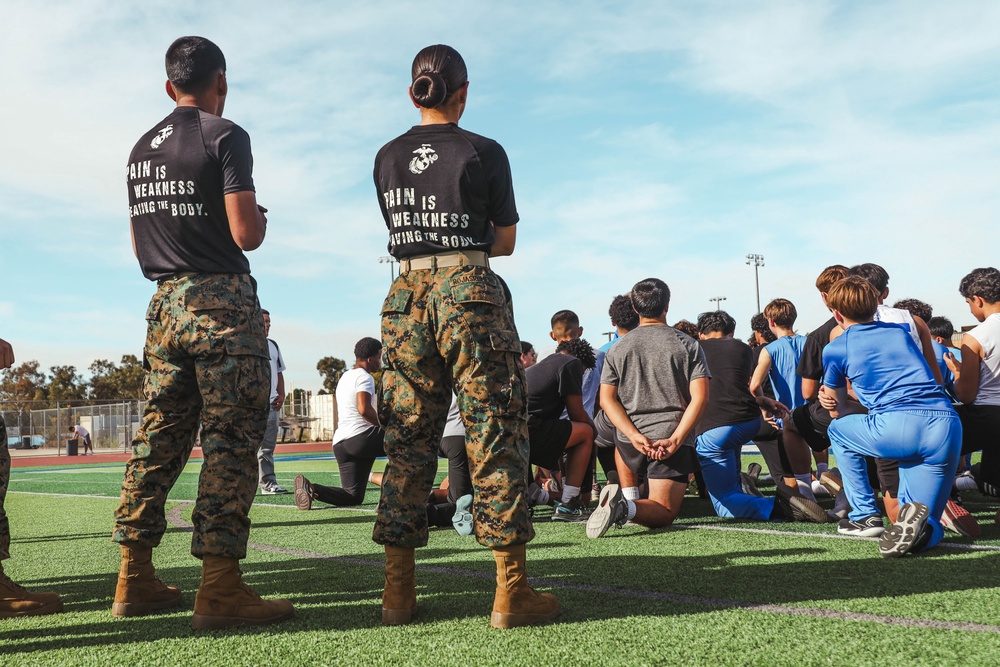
(909, 419)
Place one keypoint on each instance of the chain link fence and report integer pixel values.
(111, 425)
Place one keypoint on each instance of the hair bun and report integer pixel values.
(429, 89)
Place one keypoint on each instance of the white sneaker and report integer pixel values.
(273, 490)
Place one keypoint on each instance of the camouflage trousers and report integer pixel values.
(4, 482)
(446, 328)
(207, 364)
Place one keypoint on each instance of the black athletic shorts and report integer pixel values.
(812, 421)
(605, 430)
(980, 427)
(547, 439)
(677, 467)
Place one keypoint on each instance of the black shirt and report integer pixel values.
(811, 363)
(178, 175)
(550, 381)
(440, 187)
(731, 363)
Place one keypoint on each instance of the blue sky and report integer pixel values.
(662, 139)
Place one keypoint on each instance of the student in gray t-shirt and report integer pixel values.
(654, 388)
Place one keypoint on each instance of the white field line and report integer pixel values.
(700, 526)
(175, 518)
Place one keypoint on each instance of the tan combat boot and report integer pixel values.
(399, 601)
(139, 591)
(516, 603)
(17, 601)
(224, 601)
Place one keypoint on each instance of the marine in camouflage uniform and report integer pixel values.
(15, 600)
(445, 328)
(4, 482)
(206, 360)
(447, 198)
(194, 212)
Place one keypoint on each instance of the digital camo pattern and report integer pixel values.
(207, 363)
(4, 481)
(441, 328)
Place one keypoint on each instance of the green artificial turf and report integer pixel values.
(708, 592)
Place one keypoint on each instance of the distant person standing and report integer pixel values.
(14, 599)
(193, 214)
(265, 455)
(84, 436)
(447, 325)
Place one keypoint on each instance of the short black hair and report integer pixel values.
(876, 276)
(622, 313)
(716, 320)
(367, 347)
(193, 62)
(941, 327)
(915, 307)
(526, 347)
(759, 324)
(567, 318)
(579, 348)
(650, 297)
(984, 283)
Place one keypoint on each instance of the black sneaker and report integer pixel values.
(797, 507)
(908, 534)
(571, 511)
(303, 493)
(612, 510)
(754, 470)
(870, 526)
(748, 484)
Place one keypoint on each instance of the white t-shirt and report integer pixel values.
(81, 431)
(899, 316)
(349, 421)
(987, 335)
(454, 425)
(277, 366)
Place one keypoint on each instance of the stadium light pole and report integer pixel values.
(386, 259)
(717, 300)
(756, 261)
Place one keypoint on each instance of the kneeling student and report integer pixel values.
(909, 420)
(555, 384)
(731, 420)
(654, 389)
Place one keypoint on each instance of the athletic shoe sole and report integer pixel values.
(748, 485)
(900, 537)
(800, 508)
(603, 517)
(462, 521)
(832, 482)
(957, 519)
(303, 500)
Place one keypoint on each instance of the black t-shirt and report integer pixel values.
(550, 381)
(731, 364)
(811, 363)
(178, 175)
(440, 187)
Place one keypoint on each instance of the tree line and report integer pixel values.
(62, 384)
(108, 381)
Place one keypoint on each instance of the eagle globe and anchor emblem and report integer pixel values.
(426, 156)
(161, 135)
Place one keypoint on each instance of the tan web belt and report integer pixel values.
(433, 262)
